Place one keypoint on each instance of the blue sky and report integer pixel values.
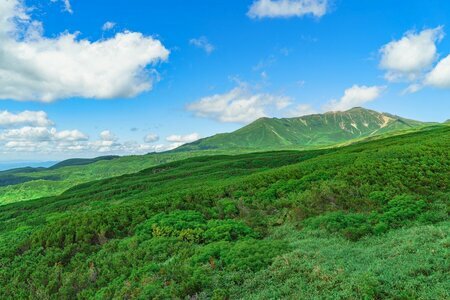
(220, 64)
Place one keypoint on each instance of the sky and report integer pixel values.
(90, 78)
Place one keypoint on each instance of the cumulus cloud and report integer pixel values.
(409, 57)
(32, 133)
(25, 118)
(108, 26)
(178, 140)
(301, 110)
(440, 75)
(202, 43)
(107, 135)
(237, 106)
(41, 134)
(35, 67)
(189, 138)
(287, 8)
(355, 96)
(151, 138)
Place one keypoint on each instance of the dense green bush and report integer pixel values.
(367, 221)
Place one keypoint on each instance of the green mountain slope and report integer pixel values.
(309, 131)
(26, 174)
(31, 183)
(365, 221)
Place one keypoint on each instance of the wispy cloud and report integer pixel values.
(202, 43)
(68, 6)
(151, 138)
(108, 26)
(287, 8)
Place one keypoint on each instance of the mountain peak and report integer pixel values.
(357, 108)
(310, 131)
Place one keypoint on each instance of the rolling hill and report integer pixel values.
(81, 161)
(308, 132)
(32, 183)
(311, 131)
(364, 221)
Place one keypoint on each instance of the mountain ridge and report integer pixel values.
(315, 130)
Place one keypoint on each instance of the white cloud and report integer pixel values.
(287, 8)
(151, 138)
(408, 57)
(108, 26)
(107, 135)
(41, 134)
(189, 138)
(31, 133)
(355, 96)
(301, 110)
(440, 75)
(202, 43)
(161, 147)
(68, 6)
(238, 105)
(412, 88)
(25, 118)
(69, 135)
(35, 67)
(176, 141)
(265, 63)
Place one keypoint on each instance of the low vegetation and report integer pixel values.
(366, 221)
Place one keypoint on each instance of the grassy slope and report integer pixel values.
(364, 221)
(26, 184)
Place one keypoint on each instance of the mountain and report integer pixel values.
(364, 221)
(25, 164)
(316, 130)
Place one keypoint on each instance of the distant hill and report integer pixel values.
(81, 161)
(316, 130)
(26, 174)
(8, 165)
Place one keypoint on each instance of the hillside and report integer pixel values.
(365, 221)
(317, 130)
(309, 132)
(31, 183)
(21, 175)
